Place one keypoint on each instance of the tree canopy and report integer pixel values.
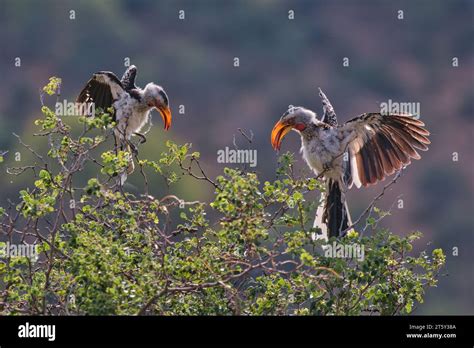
(106, 251)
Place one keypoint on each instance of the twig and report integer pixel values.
(372, 203)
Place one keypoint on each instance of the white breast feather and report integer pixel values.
(129, 115)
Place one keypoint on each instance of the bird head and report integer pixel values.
(155, 97)
(296, 118)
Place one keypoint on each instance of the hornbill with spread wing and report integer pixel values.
(131, 104)
(362, 151)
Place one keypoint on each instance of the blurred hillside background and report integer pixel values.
(282, 62)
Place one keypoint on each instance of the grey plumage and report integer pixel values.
(128, 78)
(362, 151)
(131, 104)
(329, 116)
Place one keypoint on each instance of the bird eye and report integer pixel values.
(164, 96)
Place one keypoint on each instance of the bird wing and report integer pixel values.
(329, 116)
(102, 89)
(128, 78)
(380, 144)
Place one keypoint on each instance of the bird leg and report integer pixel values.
(142, 136)
(326, 167)
(116, 144)
(133, 147)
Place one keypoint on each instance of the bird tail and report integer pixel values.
(131, 164)
(121, 144)
(333, 216)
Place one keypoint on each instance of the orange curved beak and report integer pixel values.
(165, 113)
(278, 133)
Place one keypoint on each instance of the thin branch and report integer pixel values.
(372, 203)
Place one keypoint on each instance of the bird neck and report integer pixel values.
(309, 132)
(142, 100)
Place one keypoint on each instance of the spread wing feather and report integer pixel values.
(329, 116)
(128, 78)
(102, 90)
(382, 144)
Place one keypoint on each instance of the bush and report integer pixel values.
(105, 251)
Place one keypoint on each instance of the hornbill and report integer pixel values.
(362, 151)
(131, 104)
